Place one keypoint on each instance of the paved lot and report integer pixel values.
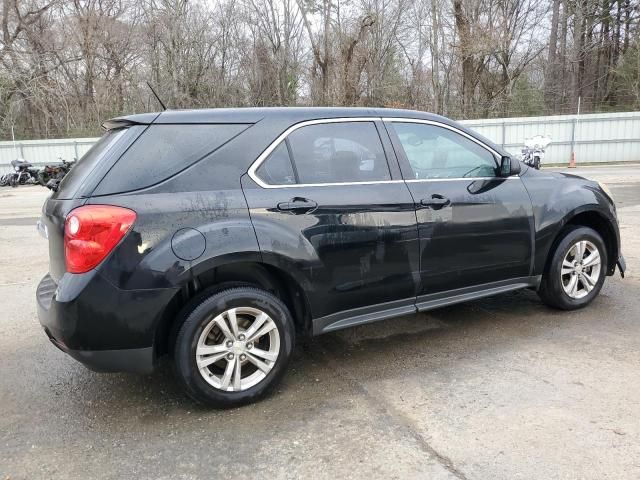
(502, 388)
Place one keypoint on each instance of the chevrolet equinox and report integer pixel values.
(220, 236)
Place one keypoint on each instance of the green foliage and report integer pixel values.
(629, 75)
(526, 99)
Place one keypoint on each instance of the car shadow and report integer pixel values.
(420, 340)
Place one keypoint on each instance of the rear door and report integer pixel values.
(475, 227)
(330, 209)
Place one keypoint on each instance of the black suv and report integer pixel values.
(219, 236)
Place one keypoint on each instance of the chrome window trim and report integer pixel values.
(457, 179)
(495, 154)
(263, 156)
(297, 185)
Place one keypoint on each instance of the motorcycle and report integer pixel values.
(22, 175)
(55, 171)
(53, 184)
(534, 150)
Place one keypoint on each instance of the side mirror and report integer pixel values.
(509, 167)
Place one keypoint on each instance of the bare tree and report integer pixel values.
(66, 65)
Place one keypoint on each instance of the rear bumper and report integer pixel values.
(136, 360)
(101, 326)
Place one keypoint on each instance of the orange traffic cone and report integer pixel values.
(572, 162)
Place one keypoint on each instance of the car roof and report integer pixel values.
(252, 115)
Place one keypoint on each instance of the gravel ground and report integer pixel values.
(501, 388)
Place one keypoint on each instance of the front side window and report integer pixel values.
(338, 152)
(437, 152)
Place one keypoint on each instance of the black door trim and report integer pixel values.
(362, 315)
(451, 297)
(383, 311)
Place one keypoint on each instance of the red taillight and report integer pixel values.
(91, 232)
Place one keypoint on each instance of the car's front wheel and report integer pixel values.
(576, 271)
(234, 347)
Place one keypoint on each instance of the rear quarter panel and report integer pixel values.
(147, 258)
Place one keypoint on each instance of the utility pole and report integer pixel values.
(13, 139)
(572, 162)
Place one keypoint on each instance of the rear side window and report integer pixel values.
(277, 168)
(163, 151)
(327, 153)
(338, 152)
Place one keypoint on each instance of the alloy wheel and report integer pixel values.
(580, 270)
(237, 349)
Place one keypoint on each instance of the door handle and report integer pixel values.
(436, 201)
(298, 205)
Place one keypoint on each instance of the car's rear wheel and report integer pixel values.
(234, 346)
(576, 271)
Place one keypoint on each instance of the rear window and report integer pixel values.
(89, 161)
(163, 151)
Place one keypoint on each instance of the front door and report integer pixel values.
(475, 227)
(329, 209)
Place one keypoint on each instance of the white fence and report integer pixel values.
(595, 138)
(42, 152)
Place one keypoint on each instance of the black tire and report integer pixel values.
(536, 163)
(184, 351)
(551, 290)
